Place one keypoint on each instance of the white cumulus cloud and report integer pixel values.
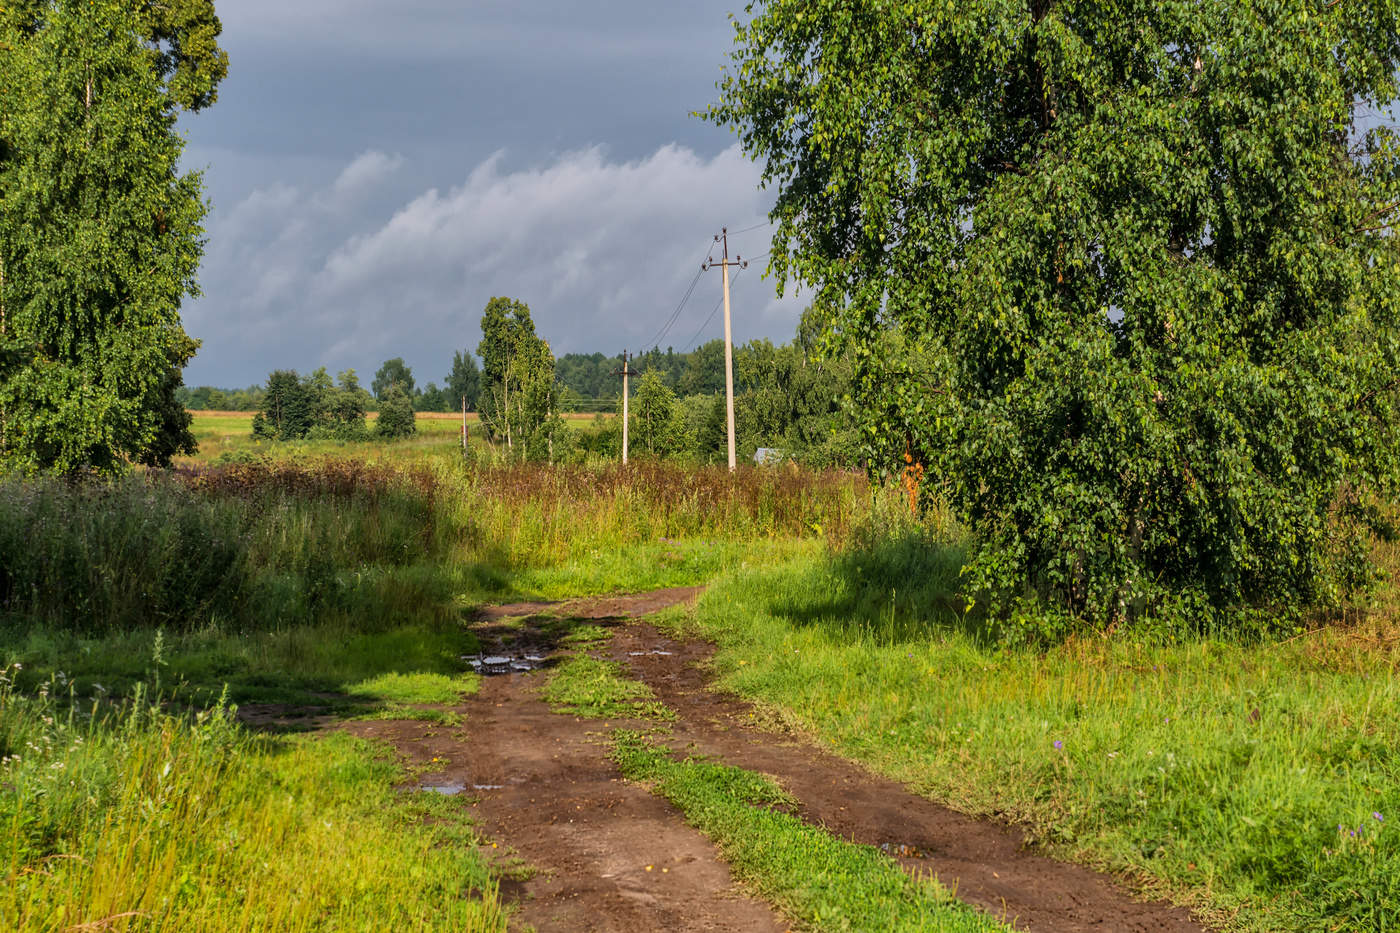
(601, 250)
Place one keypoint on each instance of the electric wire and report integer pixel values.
(676, 314)
(694, 340)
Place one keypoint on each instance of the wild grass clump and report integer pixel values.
(539, 514)
(120, 816)
(253, 547)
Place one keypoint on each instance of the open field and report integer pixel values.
(339, 598)
(229, 434)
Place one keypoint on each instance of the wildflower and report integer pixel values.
(1059, 745)
(1378, 818)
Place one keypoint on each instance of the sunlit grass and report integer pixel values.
(587, 686)
(819, 880)
(139, 820)
(1257, 777)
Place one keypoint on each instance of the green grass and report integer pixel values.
(417, 688)
(820, 881)
(136, 819)
(1233, 776)
(594, 688)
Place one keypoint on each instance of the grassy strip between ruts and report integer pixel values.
(136, 820)
(587, 686)
(1258, 778)
(822, 882)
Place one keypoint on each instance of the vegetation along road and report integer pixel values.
(796, 725)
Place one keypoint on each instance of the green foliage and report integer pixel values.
(100, 233)
(293, 407)
(395, 413)
(393, 373)
(518, 391)
(657, 426)
(463, 382)
(1120, 275)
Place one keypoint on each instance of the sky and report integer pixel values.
(377, 171)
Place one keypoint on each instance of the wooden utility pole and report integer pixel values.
(464, 424)
(724, 265)
(624, 372)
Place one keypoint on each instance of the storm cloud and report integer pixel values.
(378, 171)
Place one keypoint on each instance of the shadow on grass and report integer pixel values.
(887, 587)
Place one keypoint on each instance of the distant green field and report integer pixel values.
(231, 432)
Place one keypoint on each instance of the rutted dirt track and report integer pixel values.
(610, 856)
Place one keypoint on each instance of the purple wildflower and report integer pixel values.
(1059, 745)
(1378, 817)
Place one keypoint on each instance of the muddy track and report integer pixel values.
(987, 863)
(607, 855)
(610, 856)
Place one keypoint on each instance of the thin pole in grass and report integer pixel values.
(724, 265)
(624, 372)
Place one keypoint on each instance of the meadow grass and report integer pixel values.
(328, 583)
(124, 817)
(1258, 781)
(595, 688)
(821, 881)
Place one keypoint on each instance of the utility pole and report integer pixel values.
(464, 424)
(724, 265)
(624, 372)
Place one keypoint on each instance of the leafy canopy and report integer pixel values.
(100, 234)
(1121, 274)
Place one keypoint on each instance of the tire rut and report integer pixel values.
(987, 864)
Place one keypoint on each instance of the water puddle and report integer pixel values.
(900, 850)
(447, 790)
(488, 787)
(655, 652)
(491, 664)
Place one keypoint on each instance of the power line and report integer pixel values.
(719, 304)
(766, 223)
(676, 314)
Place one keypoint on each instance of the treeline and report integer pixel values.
(786, 404)
(460, 383)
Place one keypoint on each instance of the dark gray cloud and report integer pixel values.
(377, 171)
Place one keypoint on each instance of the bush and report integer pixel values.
(396, 414)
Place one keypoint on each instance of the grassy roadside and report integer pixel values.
(123, 817)
(333, 584)
(823, 882)
(1263, 779)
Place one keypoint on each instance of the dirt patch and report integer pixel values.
(988, 864)
(607, 854)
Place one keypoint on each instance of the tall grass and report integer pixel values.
(259, 547)
(1241, 776)
(122, 817)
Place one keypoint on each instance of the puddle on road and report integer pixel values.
(492, 664)
(900, 850)
(447, 790)
(655, 652)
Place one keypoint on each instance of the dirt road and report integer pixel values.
(609, 856)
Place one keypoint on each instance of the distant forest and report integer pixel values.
(587, 380)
